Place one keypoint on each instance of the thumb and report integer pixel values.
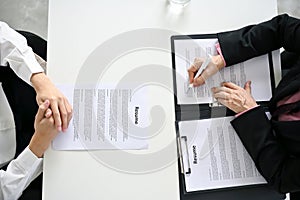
(48, 113)
(39, 100)
(42, 110)
(247, 87)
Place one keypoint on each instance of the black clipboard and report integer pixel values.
(204, 111)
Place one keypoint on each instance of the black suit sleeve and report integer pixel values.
(279, 168)
(251, 41)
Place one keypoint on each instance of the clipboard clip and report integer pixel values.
(215, 104)
(184, 155)
(217, 109)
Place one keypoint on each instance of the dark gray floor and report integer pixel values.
(29, 15)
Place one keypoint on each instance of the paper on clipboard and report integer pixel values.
(186, 50)
(213, 156)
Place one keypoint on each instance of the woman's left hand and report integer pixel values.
(234, 97)
(60, 106)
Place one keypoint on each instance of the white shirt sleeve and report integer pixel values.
(20, 172)
(15, 51)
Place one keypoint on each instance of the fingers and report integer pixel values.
(194, 68)
(48, 113)
(199, 81)
(228, 95)
(56, 115)
(224, 102)
(234, 97)
(231, 85)
(60, 107)
(65, 110)
(247, 87)
(197, 63)
(192, 71)
(69, 110)
(42, 110)
(49, 121)
(209, 70)
(63, 115)
(222, 88)
(222, 92)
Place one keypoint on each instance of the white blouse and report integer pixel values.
(22, 170)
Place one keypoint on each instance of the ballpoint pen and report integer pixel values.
(200, 70)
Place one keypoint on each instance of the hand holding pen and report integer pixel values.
(203, 68)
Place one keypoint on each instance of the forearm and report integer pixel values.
(40, 80)
(218, 61)
(15, 52)
(255, 40)
(38, 144)
(20, 172)
(272, 161)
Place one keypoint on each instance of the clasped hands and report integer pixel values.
(59, 105)
(234, 97)
(53, 116)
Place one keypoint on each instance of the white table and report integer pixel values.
(76, 29)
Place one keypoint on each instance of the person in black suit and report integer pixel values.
(273, 144)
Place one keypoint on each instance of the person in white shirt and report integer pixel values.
(28, 165)
(17, 56)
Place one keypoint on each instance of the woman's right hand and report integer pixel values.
(213, 67)
(45, 130)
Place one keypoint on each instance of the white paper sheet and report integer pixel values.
(105, 118)
(257, 70)
(215, 156)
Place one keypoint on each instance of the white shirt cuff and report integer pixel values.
(27, 159)
(24, 64)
